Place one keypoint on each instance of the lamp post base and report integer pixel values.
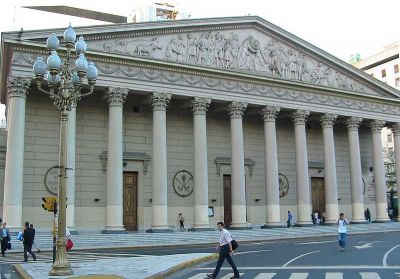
(61, 270)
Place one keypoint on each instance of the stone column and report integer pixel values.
(236, 110)
(200, 218)
(114, 204)
(331, 198)
(356, 184)
(379, 172)
(302, 176)
(17, 89)
(273, 219)
(160, 190)
(71, 168)
(396, 140)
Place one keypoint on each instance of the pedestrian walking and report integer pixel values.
(225, 252)
(5, 238)
(289, 219)
(181, 221)
(367, 215)
(342, 230)
(29, 237)
(34, 245)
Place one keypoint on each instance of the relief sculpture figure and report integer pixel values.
(146, 48)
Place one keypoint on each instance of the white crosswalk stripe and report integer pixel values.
(199, 276)
(265, 276)
(334, 275)
(298, 276)
(369, 275)
(229, 275)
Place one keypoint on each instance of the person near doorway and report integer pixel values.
(29, 237)
(225, 252)
(367, 215)
(342, 230)
(289, 219)
(316, 218)
(5, 238)
(181, 221)
(323, 218)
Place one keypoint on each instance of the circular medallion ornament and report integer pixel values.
(283, 185)
(183, 183)
(51, 180)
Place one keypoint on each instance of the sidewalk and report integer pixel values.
(148, 266)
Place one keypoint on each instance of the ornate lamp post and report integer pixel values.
(66, 86)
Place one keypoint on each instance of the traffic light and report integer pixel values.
(49, 203)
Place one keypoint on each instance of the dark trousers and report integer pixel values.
(224, 254)
(4, 245)
(28, 249)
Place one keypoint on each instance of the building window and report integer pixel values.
(396, 68)
(397, 81)
(389, 137)
(383, 73)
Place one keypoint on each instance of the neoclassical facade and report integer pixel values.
(230, 119)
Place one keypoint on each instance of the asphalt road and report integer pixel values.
(368, 256)
(371, 256)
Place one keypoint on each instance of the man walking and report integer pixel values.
(29, 237)
(225, 252)
(342, 230)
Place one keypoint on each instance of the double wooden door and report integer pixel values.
(130, 200)
(227, 200)
(318, 195)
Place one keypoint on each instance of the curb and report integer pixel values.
(21, 271)
(181, 266)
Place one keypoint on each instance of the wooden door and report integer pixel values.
(130, 201)
(227, 201)
(318, 195)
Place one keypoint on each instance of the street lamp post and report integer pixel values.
(65, 88)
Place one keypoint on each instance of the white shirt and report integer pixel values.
(224, 237)
(342, 226)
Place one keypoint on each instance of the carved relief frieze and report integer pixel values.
(245, 50)
(133, 72)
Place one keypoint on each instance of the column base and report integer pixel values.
(200, 229)
(154, 230)
(73, 230)
(381, 221)
(114, 230)
(304, 224)
(240, 227)
(358, 221)
(272, 225)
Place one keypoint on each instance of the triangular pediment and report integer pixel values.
(248, 45)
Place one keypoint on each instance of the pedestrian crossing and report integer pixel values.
(46, 257)
(296, 275)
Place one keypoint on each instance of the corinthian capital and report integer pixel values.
(160, 101)
(236, 109)
(327, 120)
(353, 123)
(269, 113)
(300, 117)
(376, 126)
(18, 86)
(396, 128)
(200, 105)
(116, 96)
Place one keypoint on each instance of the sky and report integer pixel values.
(340, 27)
